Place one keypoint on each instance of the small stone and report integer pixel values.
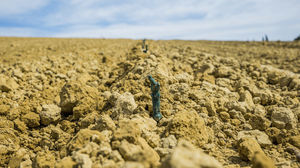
(105, 149)
(68, 126)
(223, 72)
(31, 119)
(260, 160)
(61, 76)
(184, 77)
(70, 95)
(116, 156)
(247, 147)
(9, 144)
(185, 155)
(125, 104)
(83, 137)
(211, 108)
(13, 113)
(275, 134)
(65, 163)
(179, 91)
(276, 75)
(189, 126)
(4, 123)
(139, 70)
(247, 127)
(17, 73)
(259, 122)
(58, 134)
(4, 109)
(297, 112)
(224, 116)
(82, 160)
(81, 109)
(113, 97)
(107, 164)
(235, 122)
(224, 82)
(265, 96)
(141, 152)
(283, 118)
(169, 142)
(260, 110)
(130, 151)
(256, 100)
(163, 152)
(230, 133)
(50, 114)
(295, 140)
(84, 78)
(130, 164)
(44, 159)
(7, 84)
(298, 156)
(162, 72)
(89, 120)
(259, 136)
(246, 97)
(20, 125)
(209, 78)
(127, 130)
(20, 159)
(207, 68)
(148, 127)
(295, 84)
(105, 123)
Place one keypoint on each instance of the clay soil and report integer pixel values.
(86, 103)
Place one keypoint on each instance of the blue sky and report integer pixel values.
(155, 19)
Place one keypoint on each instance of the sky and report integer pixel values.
(152, 19)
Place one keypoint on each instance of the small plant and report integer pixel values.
(144, 46)
(155, 86)
(144, 42)
(146, 49)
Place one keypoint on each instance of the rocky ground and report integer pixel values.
(86, 103)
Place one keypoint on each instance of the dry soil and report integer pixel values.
(86, 103)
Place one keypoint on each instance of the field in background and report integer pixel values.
(87, 102)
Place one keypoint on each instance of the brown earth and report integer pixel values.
(86, 103)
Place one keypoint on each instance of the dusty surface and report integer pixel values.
(86, 103)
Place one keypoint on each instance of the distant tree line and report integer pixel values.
(266, 38)
(297, 38)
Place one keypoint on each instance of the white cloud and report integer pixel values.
(179, 30)
(19, 32)
(170, 19)
(14, 7)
